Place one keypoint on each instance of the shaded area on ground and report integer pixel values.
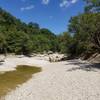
(83, 65)
(10, 80)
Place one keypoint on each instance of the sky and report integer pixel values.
(51, 14)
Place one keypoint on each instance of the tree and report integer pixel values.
(92, 6)
(64, 41)
(86, 32)
(22, 38)
(33, 25)
(3, 44)
(19, 43)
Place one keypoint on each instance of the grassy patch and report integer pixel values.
(10, 80)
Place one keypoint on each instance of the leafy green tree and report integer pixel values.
(33, 25)
(22, 38)
(64, 41)
(3, 44)
(19, 43)
(92, 6)
(87, 32)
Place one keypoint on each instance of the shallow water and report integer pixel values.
(10, 80)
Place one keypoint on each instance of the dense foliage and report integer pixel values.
(92, 6)
(85, 32)
(21, 38)
(83, 37)
(64, 41)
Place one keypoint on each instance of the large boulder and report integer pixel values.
(55, 57)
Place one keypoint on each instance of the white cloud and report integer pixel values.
(27, 8)
(45, 2)
(66, 3)
(63, 4)
(73, 1)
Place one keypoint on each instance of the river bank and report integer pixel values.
(63, 80)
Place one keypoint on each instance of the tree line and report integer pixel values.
(83, 36)
(21, 38)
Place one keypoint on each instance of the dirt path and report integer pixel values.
(60, 81)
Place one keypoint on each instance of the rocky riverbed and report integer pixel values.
(66, 80)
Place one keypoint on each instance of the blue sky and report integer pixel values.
(51, 14)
